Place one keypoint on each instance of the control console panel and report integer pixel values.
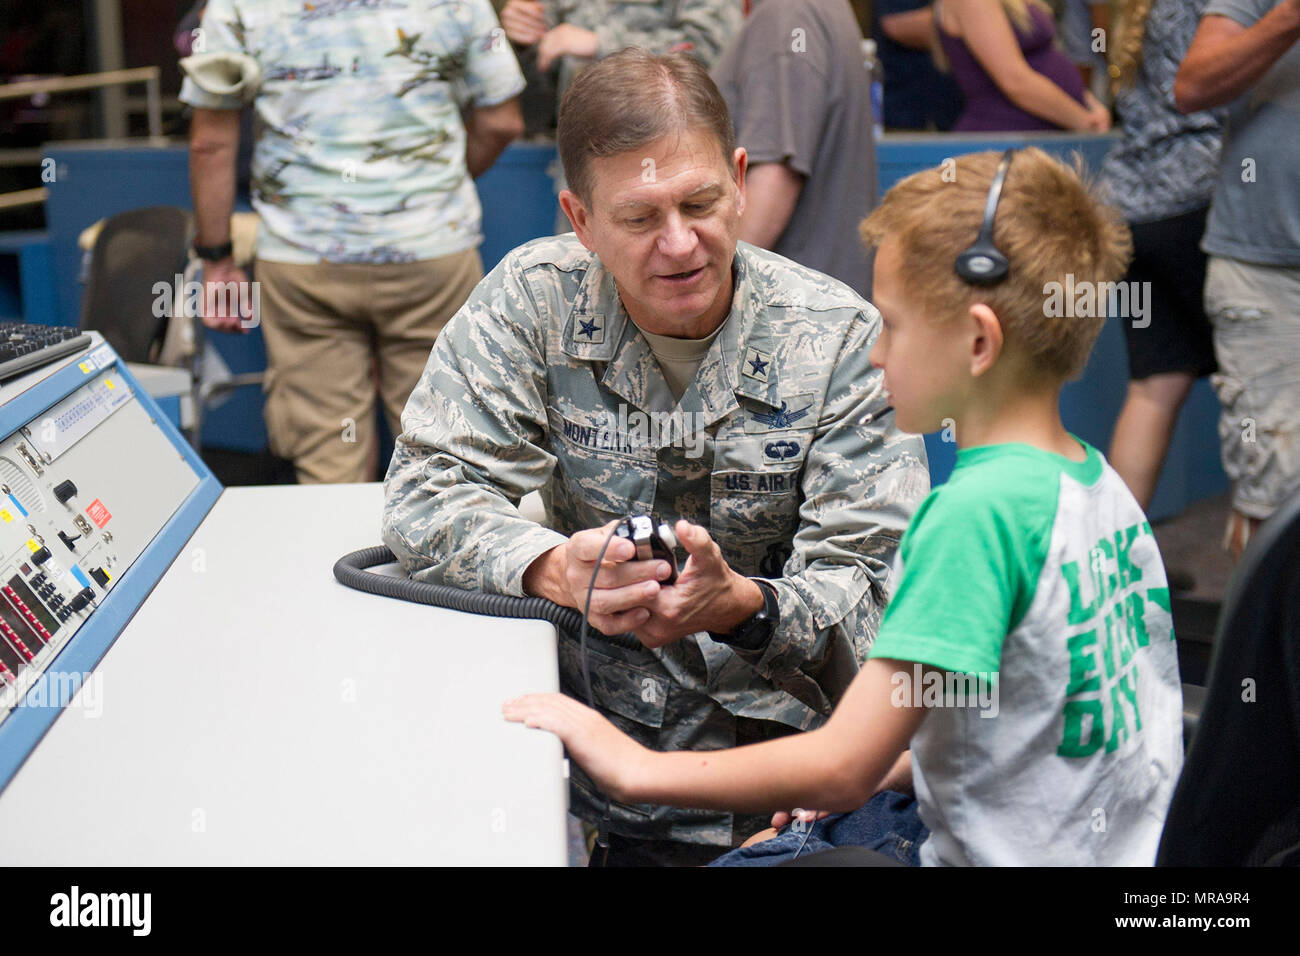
(90, 478)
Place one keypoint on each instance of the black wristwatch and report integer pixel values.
(214, 253)
(753, 634)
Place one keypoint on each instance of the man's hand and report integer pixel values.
(707, 596)
(624, 587)
(524, 21)
(611, 758)
(224, 288)
(564, 40)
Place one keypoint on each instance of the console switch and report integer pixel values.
(84, 597)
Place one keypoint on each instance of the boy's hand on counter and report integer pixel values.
(612, 759)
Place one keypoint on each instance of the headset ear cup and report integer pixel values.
(982, 265)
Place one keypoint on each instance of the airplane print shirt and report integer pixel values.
(361, 151)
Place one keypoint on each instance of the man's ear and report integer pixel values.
(740, 164)
(578, 215)
(986, 345)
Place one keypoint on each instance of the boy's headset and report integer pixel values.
(982, 263)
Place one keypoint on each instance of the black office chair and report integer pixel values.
(133, 251)
(1238, 799)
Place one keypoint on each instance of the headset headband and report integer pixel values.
(982, 263)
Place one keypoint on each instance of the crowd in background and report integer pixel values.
(793, 74)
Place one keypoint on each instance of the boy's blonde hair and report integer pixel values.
(1048, 225)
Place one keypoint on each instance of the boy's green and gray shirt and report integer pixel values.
(1039, 577)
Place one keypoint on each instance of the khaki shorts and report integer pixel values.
(1255, 311)
(332, 330)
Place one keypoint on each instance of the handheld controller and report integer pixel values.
(652, 542)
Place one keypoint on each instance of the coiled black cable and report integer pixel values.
(351, 570)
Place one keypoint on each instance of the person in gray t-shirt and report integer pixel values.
(798, 91)
(1245, 53)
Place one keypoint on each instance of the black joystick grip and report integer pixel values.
(654, 542)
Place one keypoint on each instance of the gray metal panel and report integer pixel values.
(257, 712)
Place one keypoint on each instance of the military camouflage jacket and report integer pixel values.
(781, 447)
(703, 27)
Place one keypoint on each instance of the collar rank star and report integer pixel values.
(590, 330)
(756, 364)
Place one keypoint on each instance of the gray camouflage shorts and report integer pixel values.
(1255, 311)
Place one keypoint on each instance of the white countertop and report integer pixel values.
(256, 711)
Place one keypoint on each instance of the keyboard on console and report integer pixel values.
(26, 347)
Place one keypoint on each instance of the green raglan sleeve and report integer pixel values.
(969, 566)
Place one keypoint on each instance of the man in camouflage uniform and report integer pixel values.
(773, 452)
(582, 30)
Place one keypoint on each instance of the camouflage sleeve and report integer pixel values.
(472, 444)
(862, 481)
(706, 25)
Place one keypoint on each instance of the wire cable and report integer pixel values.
(602, 832)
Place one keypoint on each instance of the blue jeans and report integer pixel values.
(887, 823)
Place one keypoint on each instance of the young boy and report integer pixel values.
(1027, 654)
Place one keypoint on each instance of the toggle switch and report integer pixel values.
(65, 490)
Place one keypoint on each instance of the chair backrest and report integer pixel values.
(1238, 799)
(134, 251)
